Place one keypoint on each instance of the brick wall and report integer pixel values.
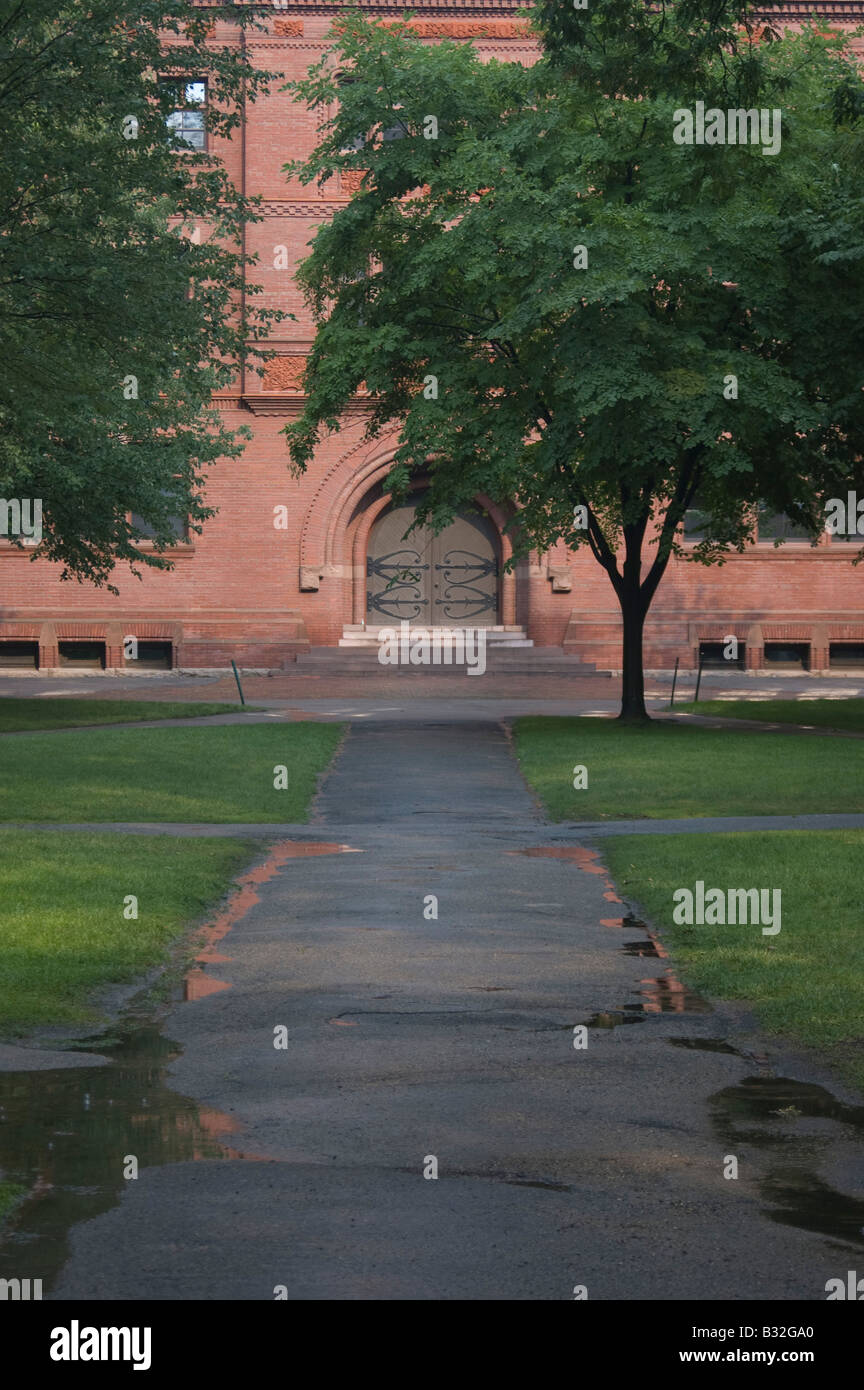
(261, 593)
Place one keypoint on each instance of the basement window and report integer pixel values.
(711, 655)
(788, 656)
(153, 656)
(87, 655)
(19, 654)
(844, 654)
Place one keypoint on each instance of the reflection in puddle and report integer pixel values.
(664, 994)
(66, 1134)
(577, 854)
(667, 995)
(766, 1112)
(613, 1018)
(199, 985)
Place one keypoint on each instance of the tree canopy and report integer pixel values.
(557, 301)
(121, 268)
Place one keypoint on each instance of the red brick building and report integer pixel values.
(261, 593)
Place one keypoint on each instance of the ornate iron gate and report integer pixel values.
(448, 580)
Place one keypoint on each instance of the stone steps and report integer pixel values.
(506, 655)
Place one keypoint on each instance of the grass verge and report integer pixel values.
(805, 984)
(221, 773)
(63, 713)
(815, 714)
(63, 934)
(676, 770)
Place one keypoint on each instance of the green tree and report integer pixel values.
(615, 321)
(121, 268)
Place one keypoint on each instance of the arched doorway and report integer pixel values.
(448, 580)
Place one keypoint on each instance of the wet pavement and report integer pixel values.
(453, 995)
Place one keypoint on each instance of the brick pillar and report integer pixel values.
(48, 646)
(114, 634)
(819, 647)
(754, 658)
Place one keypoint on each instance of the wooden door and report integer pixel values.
(448, 580)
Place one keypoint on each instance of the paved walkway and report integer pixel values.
(415, 1040)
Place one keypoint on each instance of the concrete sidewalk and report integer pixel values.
(416, 1040)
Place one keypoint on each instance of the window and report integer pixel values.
(846, 654)
(395, 132)
(775, 526)
(88, 654)
(711, 655)
(20, 654)
(146, 532)
(186, 121)
(789, 656)
(152, 656)
(357, 142)
(696, 522)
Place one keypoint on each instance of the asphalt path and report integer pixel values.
(428, 988)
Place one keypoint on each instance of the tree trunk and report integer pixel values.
(633, 709)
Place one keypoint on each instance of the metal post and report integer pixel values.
(237, 679)
(674, 681)
(698, 679)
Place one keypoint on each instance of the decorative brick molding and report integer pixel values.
(273, 208)
(465, 28)
(283, 374)
(351, 179)
(288, 27)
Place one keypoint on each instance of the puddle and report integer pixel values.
(66, 1134)
(197, 984)
(577, 854)
(769, 1113)
(665, 994)
(630, 1013)
(589, 861)
(706, 1045)
(640, 948)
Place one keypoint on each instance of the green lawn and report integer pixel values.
(673, 770)
(63, 713)
(62, 930)
(820, 714)
(807, 982)
(221, 773)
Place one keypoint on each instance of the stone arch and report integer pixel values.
(336, 529)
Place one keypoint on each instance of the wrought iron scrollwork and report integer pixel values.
(403, 571)
(461, 597)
